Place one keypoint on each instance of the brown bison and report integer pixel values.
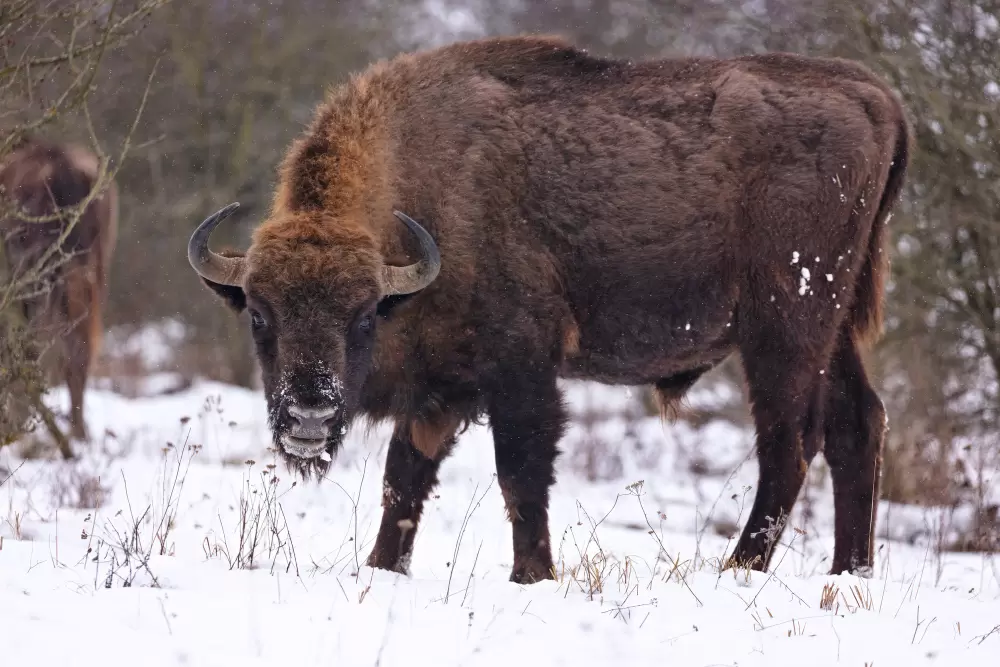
(40, 178)
(631, 223)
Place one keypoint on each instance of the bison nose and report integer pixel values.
(310, 423)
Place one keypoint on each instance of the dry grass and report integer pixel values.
(260, 534)
(828, 598)
(127, 543)
(474, 504)
(78, 488)
(594, 569)
(863, 597)
(596, 572)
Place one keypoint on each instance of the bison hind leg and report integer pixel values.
(785, 376)
(855, 426)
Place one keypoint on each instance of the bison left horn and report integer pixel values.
(415, 277)
(209, 265)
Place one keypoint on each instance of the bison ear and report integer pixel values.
(234, 296)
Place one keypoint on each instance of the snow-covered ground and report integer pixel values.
(202, 554)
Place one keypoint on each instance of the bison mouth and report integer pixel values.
(305, 448)
(308, 449)
(308, 458)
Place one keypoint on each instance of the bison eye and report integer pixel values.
(366, 323)
(257, 320)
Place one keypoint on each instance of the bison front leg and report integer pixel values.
(411, 466)
(527, 422)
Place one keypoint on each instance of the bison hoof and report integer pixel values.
(860, 571)
(531, 572)
(377, 561)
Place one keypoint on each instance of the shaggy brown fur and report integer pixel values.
(40, 178)
(629, 223)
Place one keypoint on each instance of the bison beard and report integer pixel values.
(593, 219)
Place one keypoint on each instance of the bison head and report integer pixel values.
(312, 288)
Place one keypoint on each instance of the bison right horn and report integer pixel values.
(415, 277)
(209, 265)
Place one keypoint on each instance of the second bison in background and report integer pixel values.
(41, 180)
(577, 217)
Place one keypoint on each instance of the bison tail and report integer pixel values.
(867, 317)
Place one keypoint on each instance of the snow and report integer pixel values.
(626, 485)
(153, 344)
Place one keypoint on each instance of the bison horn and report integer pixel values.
(209, 265)
(415, 277)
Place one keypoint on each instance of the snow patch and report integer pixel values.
(188, 606)
(804, 281)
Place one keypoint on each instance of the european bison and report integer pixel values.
(40, 178)
(633, 223)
